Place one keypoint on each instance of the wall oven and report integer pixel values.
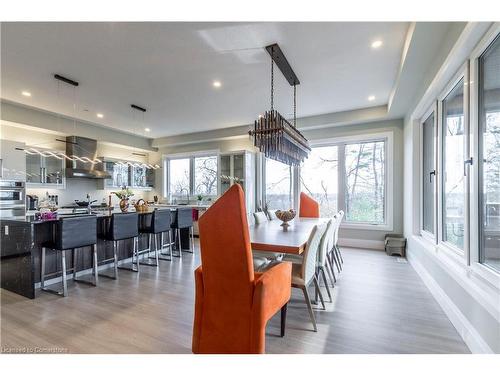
(12, 200)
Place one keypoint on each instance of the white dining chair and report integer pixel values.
(259, 217)
(263, 259)
(304, 273)
(322, 260)
(333, 250)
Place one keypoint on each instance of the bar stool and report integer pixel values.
(124, 226)
(160, 221)
(183, 220)
(71, 233)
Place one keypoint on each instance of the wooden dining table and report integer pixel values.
(270, 236)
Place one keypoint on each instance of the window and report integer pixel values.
(428, 173)
(319, 178)
(365, 182)
(489, 156)
(205, 175)
(453, 179)
(179, 178)
(353, 174)
(278, 185)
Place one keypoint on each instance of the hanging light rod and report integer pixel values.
(65, 141)
(138, 108)
(281, 62)
(66, 80)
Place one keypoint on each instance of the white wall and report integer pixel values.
(471, 302)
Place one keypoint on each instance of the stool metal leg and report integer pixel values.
(64, 281)
(74, 264)
(135, 256)
(150, 240)
(96, 275)
(42, 269)
(115, 256)
(178, 239)
(163, 245)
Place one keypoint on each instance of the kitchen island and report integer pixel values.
(21, 244)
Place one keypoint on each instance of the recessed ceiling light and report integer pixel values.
(147, 130)
(377, 44)
(371, 98)
(100, 115)
(26, 93)
(217, 84)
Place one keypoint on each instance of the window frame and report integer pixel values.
(191, 156)
(433, 109)
(293, 187)
(340, 142)
(482, 270)
(459, 254)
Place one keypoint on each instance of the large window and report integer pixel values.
(319, 178)
(351, 175)
(179, 176)
(194, 175)
(489, 156)
(205, 175)
(365, 182)
(429, 173)
(453, 177)
(278, 185)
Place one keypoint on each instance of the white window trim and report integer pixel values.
(432, 237)
(483, 271)
(454, 251)
(388, 137)
(191, 156)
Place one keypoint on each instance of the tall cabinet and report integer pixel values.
(238, 168)
(45, 171)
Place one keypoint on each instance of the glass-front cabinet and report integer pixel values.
(46, 171)
(123, 174)
(238, 168)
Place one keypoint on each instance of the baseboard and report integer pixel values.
(465, 329)
(363, 244)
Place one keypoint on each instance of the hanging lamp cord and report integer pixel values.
(294, 105)
(272, 79)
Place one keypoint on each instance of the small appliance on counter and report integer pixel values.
(31, 202)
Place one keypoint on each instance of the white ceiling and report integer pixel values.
(169, 69)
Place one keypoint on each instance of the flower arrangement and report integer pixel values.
(125, 193)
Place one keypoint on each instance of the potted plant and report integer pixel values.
(200, 199)
(124, 195)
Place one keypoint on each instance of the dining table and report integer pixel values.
(271, 236)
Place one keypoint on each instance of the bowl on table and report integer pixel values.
(285, 217)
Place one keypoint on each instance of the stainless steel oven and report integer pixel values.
(12, 199)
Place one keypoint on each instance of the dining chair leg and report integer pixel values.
(331, 274)
(283, 319)
(309, 307)
(322, 271)
(340, 253)
(334, 257)
(316, 284)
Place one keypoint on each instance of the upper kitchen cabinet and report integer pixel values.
(12, 161)
(123, 174)
(45, 171)
(238, 168)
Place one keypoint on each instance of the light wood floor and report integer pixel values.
(380, 306)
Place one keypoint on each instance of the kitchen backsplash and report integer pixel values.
(77, 188)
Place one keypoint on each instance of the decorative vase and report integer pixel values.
(124, 205)
(285, 217)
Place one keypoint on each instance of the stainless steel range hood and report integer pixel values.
(83, 148)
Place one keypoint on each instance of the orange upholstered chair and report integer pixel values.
(308, 207)
(233, 304)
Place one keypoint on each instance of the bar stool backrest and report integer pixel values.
(124, 226)
(77, 231)
(183, 218)
(161, 221)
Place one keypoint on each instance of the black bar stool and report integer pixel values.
(158, 223)
(183, 220)
(124, 226)
(71, 233)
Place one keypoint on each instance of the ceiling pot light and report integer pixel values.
(377, 44)
(216, 84)
(147, 130)
(26, 93)
(371, 98)
(100, 115)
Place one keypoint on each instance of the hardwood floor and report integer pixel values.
(380, 305)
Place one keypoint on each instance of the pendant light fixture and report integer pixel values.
(273, 135)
